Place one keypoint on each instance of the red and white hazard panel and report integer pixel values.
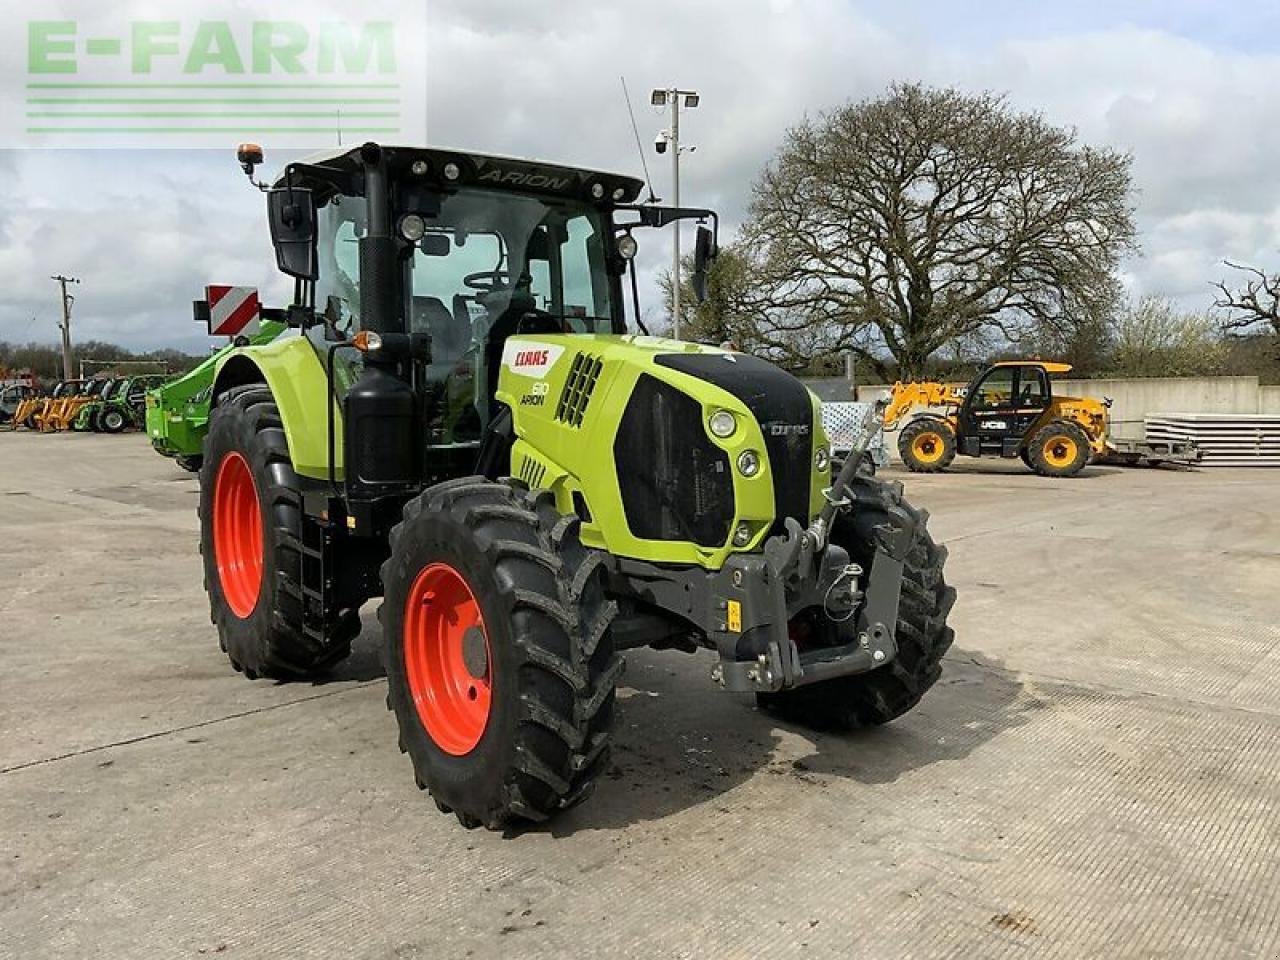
(233, 311)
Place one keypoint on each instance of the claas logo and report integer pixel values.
(531, 358)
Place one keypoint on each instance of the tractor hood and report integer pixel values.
(620, 429)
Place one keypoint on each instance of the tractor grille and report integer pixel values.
(532, 472)
(781, 405)
(675, 482)
(577, 389)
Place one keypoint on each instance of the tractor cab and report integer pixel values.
(423, 264)
(1003, 403)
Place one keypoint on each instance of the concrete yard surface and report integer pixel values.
(1096, 775)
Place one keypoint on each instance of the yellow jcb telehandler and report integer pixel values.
(1008, 410)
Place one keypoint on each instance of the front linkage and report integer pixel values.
(747, 608)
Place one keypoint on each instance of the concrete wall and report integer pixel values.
(1269, 399)
(1134, 399)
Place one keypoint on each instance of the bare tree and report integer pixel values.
(927, 216)
(1256, 302)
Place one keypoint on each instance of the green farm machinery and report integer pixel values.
(465, 427)
(176, 413)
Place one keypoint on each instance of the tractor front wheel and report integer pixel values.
(1060, 449)
(110, 420)
(927, 445)
(498, 652)
(922, 634)
(251, 541)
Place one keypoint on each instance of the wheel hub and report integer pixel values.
(475, 653)
(237, 534)
(447, 659)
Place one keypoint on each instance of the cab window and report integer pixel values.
(1032, 390)
(995, 390)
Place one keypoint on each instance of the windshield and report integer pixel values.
(490, 264)
(485, 252)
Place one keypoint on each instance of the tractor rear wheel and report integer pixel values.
(873, 698)
(251, 538)
(499, 657)
(927, 445)
(1059, 449)
(111, 420)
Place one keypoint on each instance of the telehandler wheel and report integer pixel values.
(922, 634)
(109, 421)
(251, 537)
(1059, 449)
(499, 656)
(927, 445)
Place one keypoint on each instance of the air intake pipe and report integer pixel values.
(382, 436)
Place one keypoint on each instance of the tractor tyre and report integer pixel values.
(922, 635)
(498, 651)
(927, 445)
(251, 538)
(110, 420)
(191, 464)
(1059, 449)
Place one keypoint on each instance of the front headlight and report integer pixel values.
(748, 463)
(723, 424)
(821, 459)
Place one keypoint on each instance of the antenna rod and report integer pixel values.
(648, 182)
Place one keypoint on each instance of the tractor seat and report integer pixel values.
(450, 336)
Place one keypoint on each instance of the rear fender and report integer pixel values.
(294, 373)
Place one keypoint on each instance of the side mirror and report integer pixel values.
(704, 251)
(291, 214)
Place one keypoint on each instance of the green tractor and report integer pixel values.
(120, 408)
(176, 413)
(466, 429)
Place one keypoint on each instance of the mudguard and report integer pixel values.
(294, 371)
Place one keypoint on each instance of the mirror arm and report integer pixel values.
(635, 297)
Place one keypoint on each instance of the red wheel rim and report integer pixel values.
(443, 630)
(237, 534)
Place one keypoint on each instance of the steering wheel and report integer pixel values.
(488, 281)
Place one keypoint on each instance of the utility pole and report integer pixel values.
(671, 140)
(65, 326)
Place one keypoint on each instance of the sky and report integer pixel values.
(1188, 88)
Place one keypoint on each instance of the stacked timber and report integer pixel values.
(1224, 439)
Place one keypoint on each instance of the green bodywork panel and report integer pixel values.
(178, 411)
(554, 455)
(548, 453)
(294, 371)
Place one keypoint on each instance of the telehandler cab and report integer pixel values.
(466, 429)
(1008, 410)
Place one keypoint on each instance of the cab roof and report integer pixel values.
(1049, 366)
(451, 168)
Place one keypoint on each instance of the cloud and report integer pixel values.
(1186, 93)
